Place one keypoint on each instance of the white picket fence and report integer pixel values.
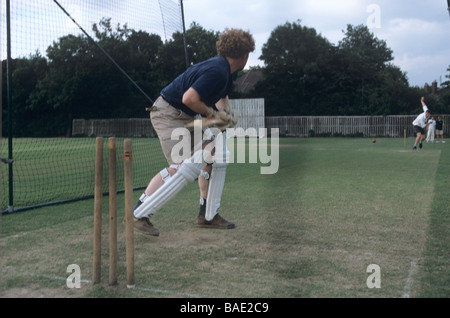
(251, 115)
(367, 126)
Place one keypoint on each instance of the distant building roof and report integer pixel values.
(246, 83)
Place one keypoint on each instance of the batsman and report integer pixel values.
(200, 92)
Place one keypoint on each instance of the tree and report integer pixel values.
(447, 83)
(365, 53)
(77, 80)
(136, 53)
(303, 75)
(67, 77)
(295, 57)
(81, 82)
(26, 74)
(306, 75)
(201, 45)
(363, 59)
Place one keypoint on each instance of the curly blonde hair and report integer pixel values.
(235, 43)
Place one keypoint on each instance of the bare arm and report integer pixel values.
(193, 100)
(424, 106)
(223, 104)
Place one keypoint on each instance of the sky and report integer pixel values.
(418, 31)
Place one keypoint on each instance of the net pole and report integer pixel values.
(129, 229)
(9, 98)
(184, 34)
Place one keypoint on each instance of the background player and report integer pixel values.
(420, 124)
(440, 130)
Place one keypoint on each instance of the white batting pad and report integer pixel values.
(187, 173)
(215, 189)
(217, 177)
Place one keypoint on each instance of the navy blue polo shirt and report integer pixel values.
(211, 79)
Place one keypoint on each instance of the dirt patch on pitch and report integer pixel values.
(185, 238)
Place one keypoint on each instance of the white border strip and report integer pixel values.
(410, 280)
(145, 289)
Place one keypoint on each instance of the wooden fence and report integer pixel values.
(365, 126)
(120, 127)
(251, 115)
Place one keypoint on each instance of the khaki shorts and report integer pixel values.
(439, 133)
(165, 119)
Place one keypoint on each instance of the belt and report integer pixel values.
(154, 108)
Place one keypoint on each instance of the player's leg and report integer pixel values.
(165, 119)
(187, 173)
(422, 138)
(143, 224)
(203, 183)
(209, 216)
(211, 189)
(418, 138)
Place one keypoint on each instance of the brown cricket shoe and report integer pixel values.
(146, 227)
(217, 223)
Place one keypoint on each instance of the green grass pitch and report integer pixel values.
(335, 207)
